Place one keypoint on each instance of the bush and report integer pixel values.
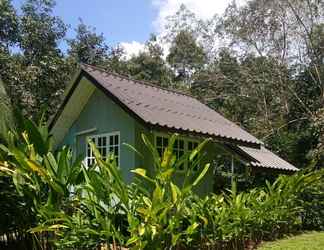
(82, 208)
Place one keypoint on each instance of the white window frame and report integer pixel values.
(186, 141)
(107, 136)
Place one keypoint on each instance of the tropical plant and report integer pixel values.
(70, 206)
(162, 215)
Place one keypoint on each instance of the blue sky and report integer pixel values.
(119, 21)
(128, 22)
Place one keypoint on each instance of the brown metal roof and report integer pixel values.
(168, 109)
(265, 158)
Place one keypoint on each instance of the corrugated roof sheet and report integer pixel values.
(265, 158)
(167, 108)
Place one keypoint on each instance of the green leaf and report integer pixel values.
(175, 192)
(142, 172)
(168, 153)
(157, 195)
(175, 238)
(153, 150)
(201, 175)
(197, 150)
(191, 229)
(141, 229)
(134, 149)
(147, 201)
(132, 240)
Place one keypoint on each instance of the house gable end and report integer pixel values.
(72, 106)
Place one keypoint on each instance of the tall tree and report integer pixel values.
(88, 46)
(39, 71)
(149, 64)
(40, 30)
(8, 24)
(186, 56)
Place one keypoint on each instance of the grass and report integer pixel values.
(306, 241)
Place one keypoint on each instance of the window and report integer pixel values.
(180, 147)
(107, 144)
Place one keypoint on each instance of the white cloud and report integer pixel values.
(203, 9)
(132, 48)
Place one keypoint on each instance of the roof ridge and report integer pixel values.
(143, 82)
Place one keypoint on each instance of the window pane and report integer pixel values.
(159, 141)
(104, 141)
(99, 141)
(176, 143)
(116, 140)
(165, 142)
(111, 140)
(181, 144)
(160, 151)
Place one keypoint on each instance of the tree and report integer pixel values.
(40, 31)
(183, 19)
(8, 24)
(288, 35)
(149, 65)
(186, 56)
(88, 47)
(37, 74)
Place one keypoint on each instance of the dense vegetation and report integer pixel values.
(65, 205)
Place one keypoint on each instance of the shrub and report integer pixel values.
(76, 207)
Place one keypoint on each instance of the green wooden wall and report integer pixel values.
(103, 115)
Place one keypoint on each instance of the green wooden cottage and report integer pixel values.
(111, 110)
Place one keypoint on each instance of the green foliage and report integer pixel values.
(8, 23)
(185, 55)
(149, 65)
(161, 211)
(35, 76)
(72, 206)
(87, 46)
(41, 31)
